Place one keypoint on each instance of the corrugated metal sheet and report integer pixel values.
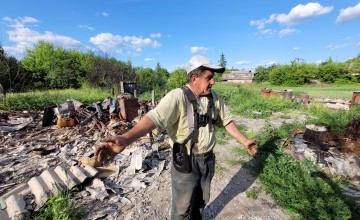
(13, 204)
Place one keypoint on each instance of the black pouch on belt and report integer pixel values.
(181, 160)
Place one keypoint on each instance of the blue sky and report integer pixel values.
(169, 32)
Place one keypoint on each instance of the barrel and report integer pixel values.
(265, 92)
(287, 94)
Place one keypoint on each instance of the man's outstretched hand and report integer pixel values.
(108, 149)
(250, 145)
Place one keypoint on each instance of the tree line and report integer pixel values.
(48, 67)
(300, 73)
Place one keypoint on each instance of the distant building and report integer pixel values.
(242, 77)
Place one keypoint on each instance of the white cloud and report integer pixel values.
(19, 22)
(261, 23)
(149, 59)
(108, 42)
(296, 48)
(303, 12)
(296, 15)
(243, 62)
(155, 35)
(333, 47)
(104, 14)
(349, 14)
(86, 27)
(288, 31)
(358, 44)
(198, 49)
(26, 38)
(269, 63)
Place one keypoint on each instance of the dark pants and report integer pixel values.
(191, 191)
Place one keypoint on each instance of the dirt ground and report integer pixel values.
(228, 196)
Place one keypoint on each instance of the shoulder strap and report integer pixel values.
(192, 116)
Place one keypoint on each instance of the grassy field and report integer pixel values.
(327, 91)
(38, 99)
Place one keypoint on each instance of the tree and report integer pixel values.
(353, 67)
(55, 68)
(162, 76)
(330, 71)
(65, 73)
(12, 76)
(145, 78)
(177, 79)
(38, 62)
(222, 61)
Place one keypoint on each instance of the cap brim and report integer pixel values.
(218, 69)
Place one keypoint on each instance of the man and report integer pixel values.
(192, 132)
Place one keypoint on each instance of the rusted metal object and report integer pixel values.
(305, 98)
(321, 135)
(355, 98)
(129, 108)
(352, 129)
(275, 94)
(64, 122)
(351, 144)
(287, 94)
(265, 92)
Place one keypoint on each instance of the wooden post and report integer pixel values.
(122, 91)
(153, 98)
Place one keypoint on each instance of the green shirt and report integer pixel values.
(170, 115)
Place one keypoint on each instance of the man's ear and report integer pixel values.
(192, 78)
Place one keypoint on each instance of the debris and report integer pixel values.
(44, 150)
(321, 135)
(11, 126)
(36, 152)
(91, 161)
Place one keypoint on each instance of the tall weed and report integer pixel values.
(59, 207)
(299, 186)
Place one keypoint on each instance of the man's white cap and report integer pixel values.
(197, 61)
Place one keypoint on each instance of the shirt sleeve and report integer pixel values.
(166, 113)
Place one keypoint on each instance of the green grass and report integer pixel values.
(247, 102)
(241, 151)
(298, 186)
(327, 91)
(237, 162)
(244, 99)
(253, 192)
(219, 169)
(59, 207)
(222, 137)
(37, 100)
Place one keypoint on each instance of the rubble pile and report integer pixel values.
(303, 98)
(35, 142)
(337, 155)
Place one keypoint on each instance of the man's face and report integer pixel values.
(204, 83)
